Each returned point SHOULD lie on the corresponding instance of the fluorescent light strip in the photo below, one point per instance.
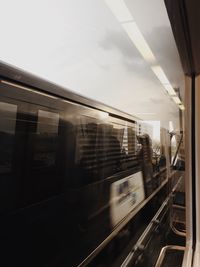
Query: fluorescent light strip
(123, 15)
(177, 100)
(169, 89)
(119, 9)
(158, 71)
(182, 107)
(138, 40)
(160, 74)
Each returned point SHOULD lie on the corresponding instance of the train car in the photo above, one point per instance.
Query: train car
(72, 170)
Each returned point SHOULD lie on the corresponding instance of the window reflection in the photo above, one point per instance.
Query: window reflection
(7, 132)
(46, 139)
(104, 149)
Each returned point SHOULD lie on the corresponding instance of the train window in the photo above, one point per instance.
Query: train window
(46, 139)
(47, 122)
(43, 178)
(86, 149)
(126, 136)
(29, 159)
(7, 138)
(7, 130)
(104, 148)
(111, 146)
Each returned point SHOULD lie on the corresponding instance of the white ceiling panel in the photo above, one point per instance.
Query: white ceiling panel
(83, 46)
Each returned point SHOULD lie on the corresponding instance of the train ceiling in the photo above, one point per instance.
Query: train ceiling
(83, 46)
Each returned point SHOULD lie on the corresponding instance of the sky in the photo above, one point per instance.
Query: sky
(82, 46)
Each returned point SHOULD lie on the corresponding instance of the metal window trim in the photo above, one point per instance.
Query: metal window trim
(188, 255)
(196, 261)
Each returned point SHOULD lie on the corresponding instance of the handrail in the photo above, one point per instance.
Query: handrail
(120, 226)
(173, 228)
(154, 220)
(163, 253)
(144, 235)
(178, 207)
(177, 232)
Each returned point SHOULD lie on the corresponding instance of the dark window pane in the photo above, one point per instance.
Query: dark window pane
(7, 133)
(104, 148)
(43, 175)
(7, 138)
(47, 122)
(45, 139)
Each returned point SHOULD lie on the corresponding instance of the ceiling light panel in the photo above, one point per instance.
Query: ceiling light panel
(182, 107)
(119, 9)
(170, 89)
(138, 40)
(160, 74)
(123, 15)
(158, 71)
(177, 100)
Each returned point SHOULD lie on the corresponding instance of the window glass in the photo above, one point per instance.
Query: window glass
(43, 145)
(104, 148)
(46, 139)
(7, 141)
(47, 122)
(7, 131)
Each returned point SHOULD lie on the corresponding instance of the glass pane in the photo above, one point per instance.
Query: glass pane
(7, 131)
(8, 184)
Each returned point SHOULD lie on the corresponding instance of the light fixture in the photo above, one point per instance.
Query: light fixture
(119, 9)
(158, 71)
(177, 100)
(169, 89)
(138, 40)
(160, 74)
(124, 16)
(182, 107)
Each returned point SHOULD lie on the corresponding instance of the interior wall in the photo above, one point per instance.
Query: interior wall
(197, 169)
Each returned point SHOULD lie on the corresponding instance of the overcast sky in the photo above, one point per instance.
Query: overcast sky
(80, 44)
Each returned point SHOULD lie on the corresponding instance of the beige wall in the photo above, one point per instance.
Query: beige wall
(188, 176)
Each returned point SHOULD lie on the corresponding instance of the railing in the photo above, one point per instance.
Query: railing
(152, 226)
(120, 226)
(164, 251)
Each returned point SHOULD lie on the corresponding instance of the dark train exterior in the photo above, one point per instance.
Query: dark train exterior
(70, 172)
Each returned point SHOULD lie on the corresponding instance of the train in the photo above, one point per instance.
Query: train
(71, 171)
